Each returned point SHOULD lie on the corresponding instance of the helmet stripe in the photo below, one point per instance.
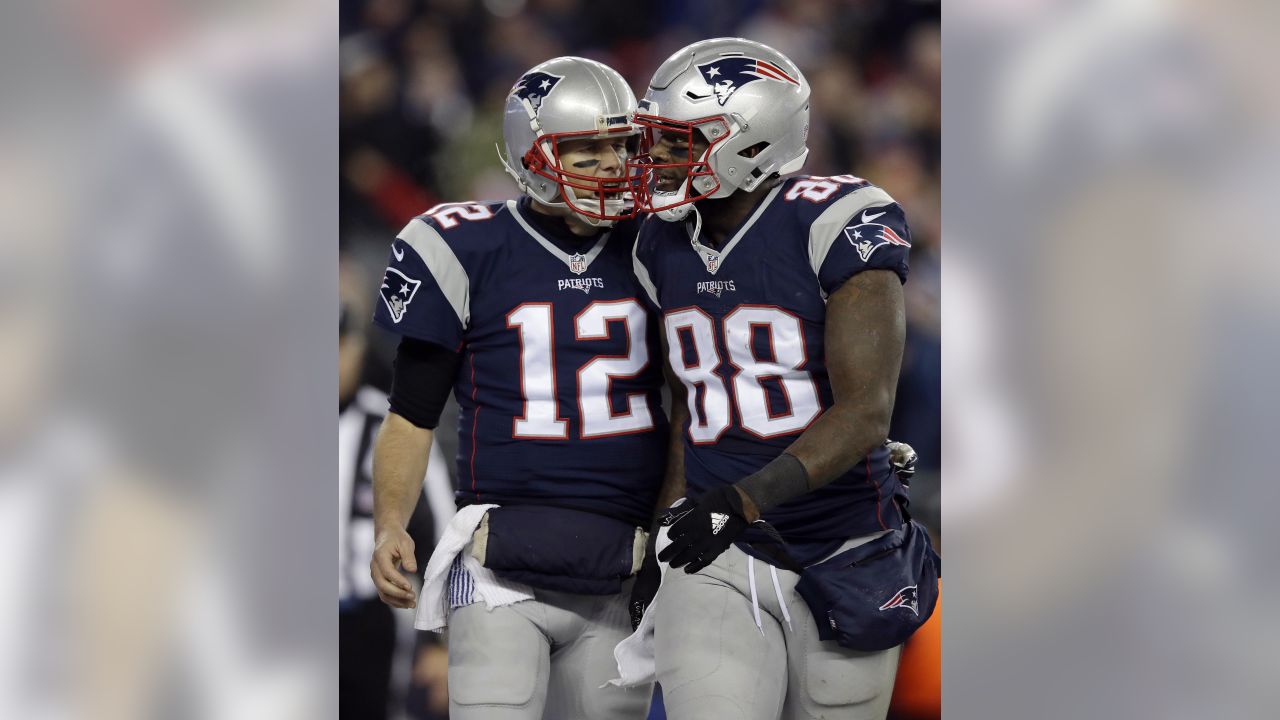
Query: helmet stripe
(774, 71)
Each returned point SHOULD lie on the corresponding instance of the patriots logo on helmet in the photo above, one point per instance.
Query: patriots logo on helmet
(904, 598)
(535, 86)
(869, 237)
(728, 74)
(397, 292)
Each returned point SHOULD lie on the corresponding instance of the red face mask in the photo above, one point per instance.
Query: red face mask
(602, 198)
(669, 179)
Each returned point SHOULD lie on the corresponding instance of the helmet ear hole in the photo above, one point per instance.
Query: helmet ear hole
(754, 150)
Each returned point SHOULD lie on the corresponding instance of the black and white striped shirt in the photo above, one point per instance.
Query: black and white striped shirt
(358, 425)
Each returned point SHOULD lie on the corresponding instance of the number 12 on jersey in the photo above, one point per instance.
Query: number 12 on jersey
(693, 332)
(541, 418)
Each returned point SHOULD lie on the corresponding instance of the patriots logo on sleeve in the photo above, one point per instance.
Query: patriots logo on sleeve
(869, 237)
(397, 292)
(904, 598)
(728, 74)
(535, 86)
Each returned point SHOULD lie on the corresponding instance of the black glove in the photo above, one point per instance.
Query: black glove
(701, 530)
(903, 458)
(646, 583)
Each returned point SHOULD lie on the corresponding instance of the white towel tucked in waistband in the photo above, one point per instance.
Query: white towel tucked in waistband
(635, 654)
(433, 604)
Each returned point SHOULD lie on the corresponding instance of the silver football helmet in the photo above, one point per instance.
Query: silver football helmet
(749, 102)
(565, 98)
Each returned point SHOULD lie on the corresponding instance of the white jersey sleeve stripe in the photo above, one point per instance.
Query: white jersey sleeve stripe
(448, 272)
(827, 228)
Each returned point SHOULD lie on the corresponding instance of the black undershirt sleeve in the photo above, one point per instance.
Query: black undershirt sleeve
(422, 376)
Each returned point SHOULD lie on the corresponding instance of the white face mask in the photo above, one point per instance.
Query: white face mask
(548, 191)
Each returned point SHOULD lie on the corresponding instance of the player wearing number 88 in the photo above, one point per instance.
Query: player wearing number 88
(782, 308)
(529, 312)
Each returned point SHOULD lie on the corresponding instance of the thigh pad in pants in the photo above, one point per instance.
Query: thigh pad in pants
(496, 657)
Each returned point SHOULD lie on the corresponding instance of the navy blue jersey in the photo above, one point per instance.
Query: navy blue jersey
(744, 326)
(558, 388)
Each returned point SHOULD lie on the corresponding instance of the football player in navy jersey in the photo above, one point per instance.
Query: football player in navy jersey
(529, 312)
(782, 307)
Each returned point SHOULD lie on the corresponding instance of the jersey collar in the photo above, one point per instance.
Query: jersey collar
(577, 262)
(713, 259)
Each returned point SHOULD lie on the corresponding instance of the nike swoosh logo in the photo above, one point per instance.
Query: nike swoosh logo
(398, 253)
(868, 218)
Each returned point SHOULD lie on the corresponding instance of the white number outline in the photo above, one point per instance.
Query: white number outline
(637, 402)
(745, 383)
(675, 353)
(560, 423)
(818, 189)
(444, 213)
(738, 377)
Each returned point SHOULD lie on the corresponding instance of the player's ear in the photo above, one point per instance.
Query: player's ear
(754, 150)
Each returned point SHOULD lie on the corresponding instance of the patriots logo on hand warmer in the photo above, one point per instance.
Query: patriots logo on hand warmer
(728, 74)
(535, 86)
(905, 598)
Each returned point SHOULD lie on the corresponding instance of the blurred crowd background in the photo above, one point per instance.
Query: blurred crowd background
(168, 242)
(422, 88)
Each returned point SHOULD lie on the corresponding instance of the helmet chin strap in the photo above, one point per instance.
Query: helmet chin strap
(611, 207)
(697, 226)
(506, 165)
(592, 221)
(574, 208)
(673, 211)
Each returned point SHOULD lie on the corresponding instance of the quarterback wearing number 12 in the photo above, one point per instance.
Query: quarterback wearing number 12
(782, 308)
(529, 312)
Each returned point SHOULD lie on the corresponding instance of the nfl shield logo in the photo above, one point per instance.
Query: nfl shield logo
(577, 264)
